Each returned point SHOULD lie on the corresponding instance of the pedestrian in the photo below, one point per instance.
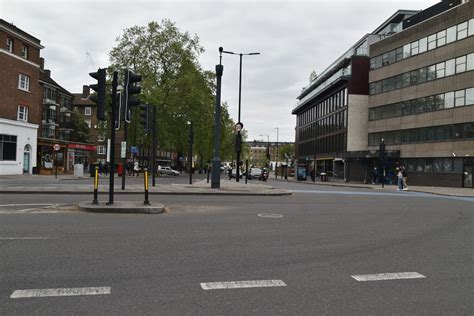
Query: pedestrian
(230, 173)
(313, 175)
(100, 168)
(399, 179)
(106, 169)
(405, 178)
(136, 168)
(375, 176)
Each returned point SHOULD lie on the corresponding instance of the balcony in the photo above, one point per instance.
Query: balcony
(50, 102)
(50, 122)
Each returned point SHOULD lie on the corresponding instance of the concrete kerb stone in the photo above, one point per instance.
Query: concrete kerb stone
(124, 207)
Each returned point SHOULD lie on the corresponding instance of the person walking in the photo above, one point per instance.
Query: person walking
(106, 169)
(405, 178)
(136, 168)
(399, 179)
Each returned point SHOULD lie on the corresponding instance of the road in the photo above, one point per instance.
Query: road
(309, 253)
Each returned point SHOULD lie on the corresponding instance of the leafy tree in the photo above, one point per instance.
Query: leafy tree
(288, 149)
(173, 82)
(81, 131)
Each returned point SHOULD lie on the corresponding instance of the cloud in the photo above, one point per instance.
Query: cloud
(293, 37)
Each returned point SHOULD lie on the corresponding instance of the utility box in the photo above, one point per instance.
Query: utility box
(79, 170)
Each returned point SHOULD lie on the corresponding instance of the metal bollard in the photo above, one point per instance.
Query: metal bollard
(208, 171)
(96, 185)
(246, 170)
(146, 202)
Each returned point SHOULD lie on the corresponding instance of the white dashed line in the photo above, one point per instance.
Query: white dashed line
(60, 292)
(241, 284)
(270, 215)
(388, 276)
(24, 238)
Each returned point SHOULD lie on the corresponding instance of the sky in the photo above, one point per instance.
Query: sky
(293, 37)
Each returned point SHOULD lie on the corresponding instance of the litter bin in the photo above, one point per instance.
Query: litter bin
(324, 177)
(119, 169)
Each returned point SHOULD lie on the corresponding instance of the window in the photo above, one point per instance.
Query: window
(470, 61)
(24, 51)
(462, 30)
(450, 67)
(9, 46)
(385, 59)
(469, 96)
(88, 111)
(24, 82)
(449, 100)
(447, 165)
(459, 98)
(471, 27)
(22, 113)
(431, 73)
(406, 51)
(88, 122)
(451, 34)
(101, 150)
(440, 70)
(414, 48)
(441, 38)
(432, 42)
(461, 64)
(423, 45)
(7, 147)
(399, 53)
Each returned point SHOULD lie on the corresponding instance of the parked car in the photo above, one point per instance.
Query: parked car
(234, 173)
(255, 173)
(167, 171)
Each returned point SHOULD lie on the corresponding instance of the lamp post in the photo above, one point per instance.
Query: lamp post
(238, 136)
(382, 159)
(276, 157)
(190, 156)
(216, 160)
(268, 146)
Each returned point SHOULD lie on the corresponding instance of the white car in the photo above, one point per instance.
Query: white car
(167, 171)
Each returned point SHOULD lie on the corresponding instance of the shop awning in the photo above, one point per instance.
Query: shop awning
(82, 146)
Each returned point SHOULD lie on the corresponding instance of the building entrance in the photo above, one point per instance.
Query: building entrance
(26, 159)
(468, 173)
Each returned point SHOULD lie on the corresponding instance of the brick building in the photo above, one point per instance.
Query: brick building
(20, 114)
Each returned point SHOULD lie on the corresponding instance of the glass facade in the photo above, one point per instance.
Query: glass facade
(440, 133)
(322, 127)
(441, 38)
(443, 69)
(7, 147)
(421, 105)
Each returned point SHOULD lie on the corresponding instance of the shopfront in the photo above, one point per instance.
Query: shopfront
(79, 154)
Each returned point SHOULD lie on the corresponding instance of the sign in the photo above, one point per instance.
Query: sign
(239, 126)
(123, 149)
(134, 150)
(81, 146)
(56, 147)
(108, 150)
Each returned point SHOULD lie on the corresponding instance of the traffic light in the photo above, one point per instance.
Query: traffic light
(131, 89)
(144, 108)
(99, 88)
(238, 142)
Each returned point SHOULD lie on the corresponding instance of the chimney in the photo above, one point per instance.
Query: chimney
(85, 92)
(41, 63)
(47, 72)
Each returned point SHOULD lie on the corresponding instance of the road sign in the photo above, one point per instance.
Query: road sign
(56, 147)
(123, 149)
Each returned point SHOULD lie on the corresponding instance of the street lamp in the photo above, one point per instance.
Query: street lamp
(276, 157)
(238, 137)
(268, 146)
(190, 156)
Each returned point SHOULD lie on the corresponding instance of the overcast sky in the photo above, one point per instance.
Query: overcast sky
(293, 37)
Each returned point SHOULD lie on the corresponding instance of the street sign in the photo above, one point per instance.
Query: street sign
(56, 147)
(108, 150)
(239, 126)
(123, 149)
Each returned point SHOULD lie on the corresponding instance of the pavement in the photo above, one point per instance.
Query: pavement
(63, 185)
(447, 191)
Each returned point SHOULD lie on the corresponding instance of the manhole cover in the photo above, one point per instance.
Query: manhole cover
(270, 215)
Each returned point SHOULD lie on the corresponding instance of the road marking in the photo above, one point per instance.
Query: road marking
(29, 204)
(388, 276)
(24, 238)
(270, 215)
(60, 292)
(241, 284)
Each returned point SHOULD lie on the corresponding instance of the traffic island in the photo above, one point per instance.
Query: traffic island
(124, 207)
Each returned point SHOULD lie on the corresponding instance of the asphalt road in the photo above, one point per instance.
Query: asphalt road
(311, 245)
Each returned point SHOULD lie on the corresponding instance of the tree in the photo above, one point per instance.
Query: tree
(173, 81)
(81, 131)
(288, 149)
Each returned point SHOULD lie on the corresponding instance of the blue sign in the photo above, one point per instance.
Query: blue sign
(134, 150)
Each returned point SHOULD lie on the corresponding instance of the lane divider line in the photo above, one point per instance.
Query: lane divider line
(60, 292)
(24, 238)
(388, 276)
(241, 284)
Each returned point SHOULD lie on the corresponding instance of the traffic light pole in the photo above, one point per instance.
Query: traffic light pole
(112, 136)
(216, 161)
(153, 135)
(124, 159)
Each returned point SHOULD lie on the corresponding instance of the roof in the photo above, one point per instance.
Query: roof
(79, 100)
(20, 33)
(43, 76)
